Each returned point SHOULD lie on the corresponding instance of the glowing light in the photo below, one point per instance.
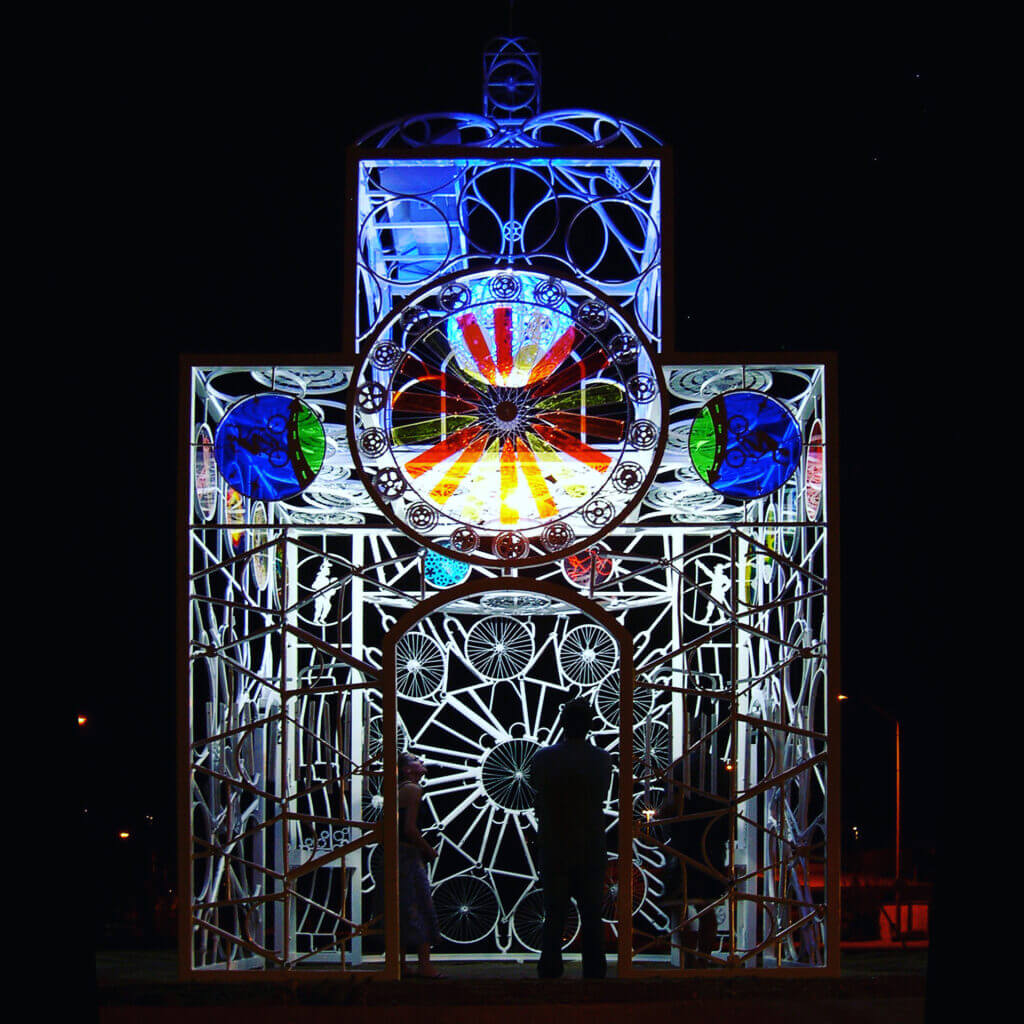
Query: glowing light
(530, 340)
(234, 513)
(745, 444)
(505, 411)
(123, 835)
(814, 471)
(205, 473)
(270, 446)
(577, 568)
(82, 719)
(443, 572)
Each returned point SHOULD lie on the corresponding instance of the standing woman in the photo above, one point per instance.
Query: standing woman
(418, 921)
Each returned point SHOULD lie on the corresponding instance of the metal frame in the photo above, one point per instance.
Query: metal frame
(571, 177)
(313, 643)
(653, 578)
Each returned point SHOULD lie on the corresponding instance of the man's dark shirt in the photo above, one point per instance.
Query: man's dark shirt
(571, 780)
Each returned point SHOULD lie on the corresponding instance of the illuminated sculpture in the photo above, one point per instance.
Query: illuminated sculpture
(506, 495)
(514, 415)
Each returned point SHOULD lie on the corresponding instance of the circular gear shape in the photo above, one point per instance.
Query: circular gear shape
(511, 546)
(499, 647)
(373, 442)
(557, 536)
(528, 921)
(423, 516)
(389, 483)
(588, 654)
(524, 403)
(419, 666)
(505, 774)
(464, 540)
(466, 908)
(643, 434)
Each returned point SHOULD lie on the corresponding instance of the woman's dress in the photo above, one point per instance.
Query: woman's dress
(418, 920)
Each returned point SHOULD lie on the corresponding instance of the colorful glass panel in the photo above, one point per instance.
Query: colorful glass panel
(261, 558)
(814, 473)
(507, 403)
(745, 444)
(204, 473)
(270, 446)
(578, 568)
(443, 572)
(234, 515)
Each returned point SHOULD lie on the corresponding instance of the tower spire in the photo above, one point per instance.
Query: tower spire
(511, 78)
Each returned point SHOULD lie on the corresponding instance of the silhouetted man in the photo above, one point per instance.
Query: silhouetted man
(571, 779)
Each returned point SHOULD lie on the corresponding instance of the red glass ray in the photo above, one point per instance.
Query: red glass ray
(419, 464)
(573, 374)
(553, 358)
(509, 479)
(503, 338)
(596, 426)
(465, 462)
(429, 375)
(473, 335)
(415, 401)
(546, 506)
(579, 450)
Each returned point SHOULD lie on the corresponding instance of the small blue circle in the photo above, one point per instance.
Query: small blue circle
(444, 572)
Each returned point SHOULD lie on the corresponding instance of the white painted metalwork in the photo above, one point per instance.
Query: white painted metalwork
(289, 606)
(393, 598)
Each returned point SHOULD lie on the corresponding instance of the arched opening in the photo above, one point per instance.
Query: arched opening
(473, 680)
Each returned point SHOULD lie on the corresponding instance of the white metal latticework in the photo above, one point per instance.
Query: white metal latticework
(291, 604)
(503, 497)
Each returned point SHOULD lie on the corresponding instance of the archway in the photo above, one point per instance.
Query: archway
(473, 680)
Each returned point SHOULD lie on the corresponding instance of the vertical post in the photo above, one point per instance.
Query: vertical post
(733, 732)
(357, 741)
(185, 541)
(833, 896)
(285, 907)
(389, 813)
(625, 901)
(680, 739)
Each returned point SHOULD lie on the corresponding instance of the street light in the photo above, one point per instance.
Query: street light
(899, 817)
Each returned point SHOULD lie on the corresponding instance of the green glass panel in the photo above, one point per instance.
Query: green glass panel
(540, 446)
(311, 438)
(595, 395)
(428, 430)
(703, 443)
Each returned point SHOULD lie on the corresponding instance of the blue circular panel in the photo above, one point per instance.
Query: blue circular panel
(443, 572)
(270, 446)
(745, 444)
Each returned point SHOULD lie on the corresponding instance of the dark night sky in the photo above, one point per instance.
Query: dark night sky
(198, 170)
